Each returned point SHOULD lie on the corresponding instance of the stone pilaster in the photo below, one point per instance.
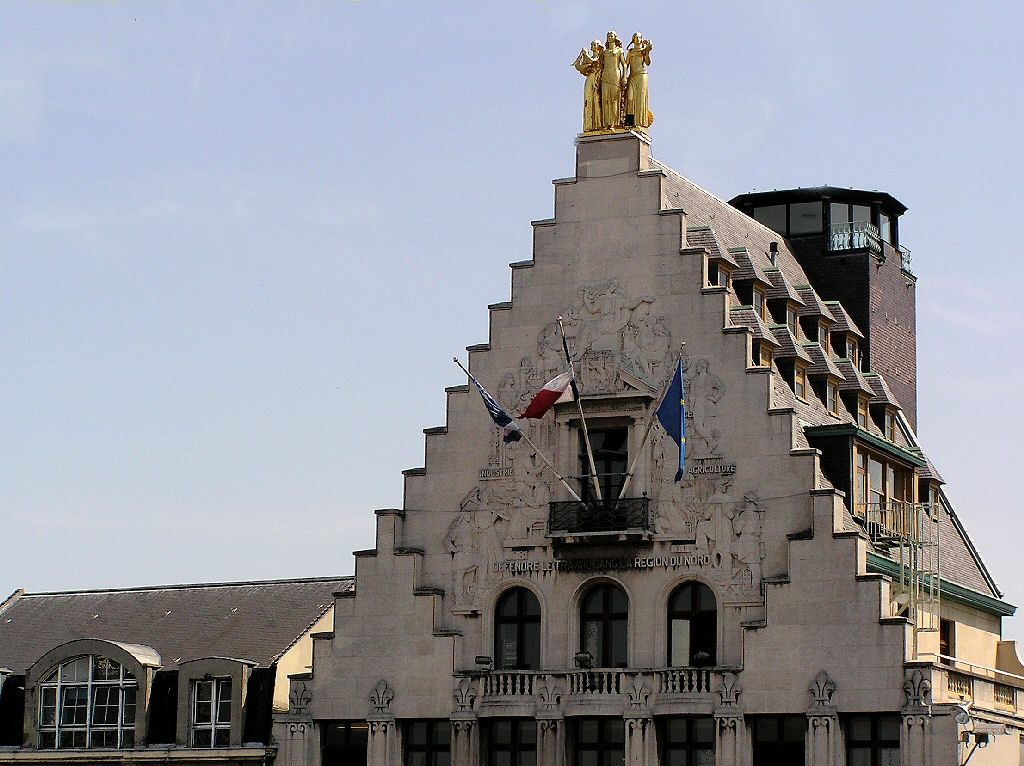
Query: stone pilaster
(465, 741)
(551, 741)
(550, 724)
(641, 747)
(298, 741)
(824, 740)
(382, 748)
(730, 739)
(915, 734)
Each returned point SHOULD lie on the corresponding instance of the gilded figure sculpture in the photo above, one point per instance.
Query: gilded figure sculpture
(615, 93)
(613, 72)
(638, 58)
(589, 65)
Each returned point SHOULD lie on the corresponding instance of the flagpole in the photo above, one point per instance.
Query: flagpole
(650, 421)
(529, 441)
(579, 407)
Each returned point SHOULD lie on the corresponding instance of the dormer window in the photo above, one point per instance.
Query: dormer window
(832, 396)
(758, 301)
(890, 424)
(718, 275)
(88, 701)
(862, 411)
(852, 352)
(760, 354)
(823, 336)
(791, 318)
(211, 712)
(800, 380)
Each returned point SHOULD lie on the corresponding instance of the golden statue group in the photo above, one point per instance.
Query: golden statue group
(615, 93)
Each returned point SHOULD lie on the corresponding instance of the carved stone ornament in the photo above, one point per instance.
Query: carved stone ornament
(729, 690)
(638, 693)
(299, 697)
(728, 724)
(297, 730)
(822, 689)
(464, 696)
(549, 695)
(381, 697)
(918, 689)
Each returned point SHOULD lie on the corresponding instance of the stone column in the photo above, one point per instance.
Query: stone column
(729, 740)
(824, 741)
(298, 741)
(382, 745)
(465, 741)
(551, 741)
(641, 749)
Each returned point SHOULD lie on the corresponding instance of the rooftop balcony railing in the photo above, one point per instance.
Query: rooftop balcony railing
(854, 235)
(986, 687)
(626, 515)
(905, 259)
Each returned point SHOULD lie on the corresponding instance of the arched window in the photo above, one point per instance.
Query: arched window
(517, 631)
(692, 626)
(87, 701)
(604, 613)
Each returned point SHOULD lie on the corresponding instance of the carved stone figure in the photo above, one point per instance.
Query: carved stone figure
(613, 70)
(589, 65)
(638, 58)
(703, 392)
(749, 550)
(460, 541)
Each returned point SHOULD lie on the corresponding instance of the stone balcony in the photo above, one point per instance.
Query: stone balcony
(985, 687)
(601, 691)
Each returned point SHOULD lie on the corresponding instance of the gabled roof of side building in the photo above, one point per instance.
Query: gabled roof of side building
(257, 621)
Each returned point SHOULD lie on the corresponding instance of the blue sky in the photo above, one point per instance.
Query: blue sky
(238, 237)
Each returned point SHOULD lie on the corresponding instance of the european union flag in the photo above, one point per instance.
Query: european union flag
(672, 414)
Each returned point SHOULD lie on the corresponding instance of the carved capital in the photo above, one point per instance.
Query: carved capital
(379, 728)
(548, 726)
(728, 724)
(638, 693)
(462, 726)
(915, 721)
(297, 729)
(299, 697)
(464, 696)
(822, 689)
(381, 697)
(918, 689)
(729, 690)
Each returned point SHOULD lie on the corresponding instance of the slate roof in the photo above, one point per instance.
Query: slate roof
(256, 621)
(843, 321)
(788, 346)
(744, 316)
(813, 304)
(704, 236)
(822, 363)
(781, 288)
(880, 389)
(853, 379)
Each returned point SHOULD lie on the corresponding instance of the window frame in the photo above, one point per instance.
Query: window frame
(832, 396)
(520, 620)
(875, 745)
(800, 380)
(54, 690)
(517, 745)
(759, 301)
(216, 725)
(689, 745)
(702, 624)
(606, 619)
(778, 749)
(432, 746)
(607, 749)
(611, 481)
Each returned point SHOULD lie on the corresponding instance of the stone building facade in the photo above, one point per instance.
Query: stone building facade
(805, 593)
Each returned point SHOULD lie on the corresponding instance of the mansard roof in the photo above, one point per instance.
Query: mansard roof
(257, 621)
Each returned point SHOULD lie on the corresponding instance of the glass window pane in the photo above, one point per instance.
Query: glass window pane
(224, 701)
(502, 732)
(442, 732)
(805, 217)
(128, 738)
(889, 756)
(508, 605)
(531, 604)
(680, 643)
(75, 670)
(772, 216)
(418, 733)
(417, 759)
(128, 706)
(704, 758)
(222, 737)
(442, 759)
(889, 729)
(706, 598)
(614, 730)
(104, 669)
(587, 731)
(528, 758)
(202, 738)
(527, 732)
(766, 729)
(860, 728)
(794, 728)
(619, 647)
(860, 756)
(501, 758)
(508, 656)
(704, 729)
(531, 648)
(617, 601)
(862, 213)
(675, 728)
(840, 212)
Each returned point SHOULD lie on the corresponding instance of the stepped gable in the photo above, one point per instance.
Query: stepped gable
(255, 621)
(733, 228)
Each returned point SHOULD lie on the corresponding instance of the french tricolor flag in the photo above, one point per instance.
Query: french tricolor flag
(559, 389)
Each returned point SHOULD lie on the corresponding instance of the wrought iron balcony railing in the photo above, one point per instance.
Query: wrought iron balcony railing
(631, 514)
(854, 235)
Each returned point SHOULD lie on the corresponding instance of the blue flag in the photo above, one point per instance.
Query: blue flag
(501, 418)
(672, 414)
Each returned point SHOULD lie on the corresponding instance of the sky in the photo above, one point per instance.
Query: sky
(240, 242)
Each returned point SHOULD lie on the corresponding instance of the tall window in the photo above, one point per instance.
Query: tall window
(513, 742)
(610, 460)
(692, 626)
(517, 631)
(880, 483)
(687, 741)
(88, 701)
(800, 380)
(604, 614)
(428, 743)
(343, 742)
(600, 742)
(779, 739)
(947, 639)
(832, 396)
(758, 298)
(211, 712)
(873, 740)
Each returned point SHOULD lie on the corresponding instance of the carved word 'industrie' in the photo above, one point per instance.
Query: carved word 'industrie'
(608, 564)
